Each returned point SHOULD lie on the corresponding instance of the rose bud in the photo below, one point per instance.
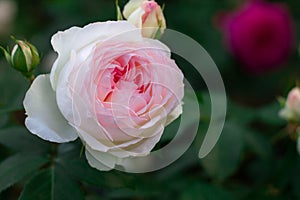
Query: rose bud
(147, 15)
(260, 35)
(291, 111)
(24, 57)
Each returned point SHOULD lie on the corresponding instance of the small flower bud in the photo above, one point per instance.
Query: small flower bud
(291, 111)
(147, 15)
(24, 57)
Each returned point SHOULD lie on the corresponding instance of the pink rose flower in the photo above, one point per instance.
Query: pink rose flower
(111, 87)
(146, 15)
(259, 34)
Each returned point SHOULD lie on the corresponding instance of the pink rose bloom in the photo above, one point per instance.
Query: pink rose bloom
(111, 87)
(259, 34)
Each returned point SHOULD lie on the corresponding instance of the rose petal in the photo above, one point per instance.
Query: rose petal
(141, 148)
(131, 6)
(159, 47)
(44, 118)
(174, 114)
(64, 42)
(96, 163)
(100, 160)
(136, 17)
(63, 96)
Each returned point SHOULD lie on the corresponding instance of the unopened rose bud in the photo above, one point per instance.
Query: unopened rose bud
(147, 15)
(24, 57)
(291, 111)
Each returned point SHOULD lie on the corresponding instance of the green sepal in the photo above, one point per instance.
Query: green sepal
(158, 33)
(6, 54)
(281, 101)
(119, 13)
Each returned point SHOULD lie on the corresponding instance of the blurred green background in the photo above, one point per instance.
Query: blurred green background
(255, 158)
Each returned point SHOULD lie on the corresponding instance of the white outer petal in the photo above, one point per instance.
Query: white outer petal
(105, 161)
(63, 96)
(96, 163)
(142, 148)
(159, 46)
(100, 160)
(174, 114)
(44, 118)
(77, 38)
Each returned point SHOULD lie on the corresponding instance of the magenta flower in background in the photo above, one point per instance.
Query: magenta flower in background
(259, 34)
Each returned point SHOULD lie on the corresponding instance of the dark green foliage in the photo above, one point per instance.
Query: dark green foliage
(17, 167)
(255, 157)
(51, 184)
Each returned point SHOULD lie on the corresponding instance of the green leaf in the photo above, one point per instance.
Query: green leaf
(3, 119)
(13, 87)
(225, 157)
(77, 167)
(259, 144)
(237, 112)
(80, 170)
(204, 191)
(17, 167)
(269, 114)
(296, 180)
(51, 184)
(20, 139)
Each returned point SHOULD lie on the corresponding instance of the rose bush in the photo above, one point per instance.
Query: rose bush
(111, 87)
